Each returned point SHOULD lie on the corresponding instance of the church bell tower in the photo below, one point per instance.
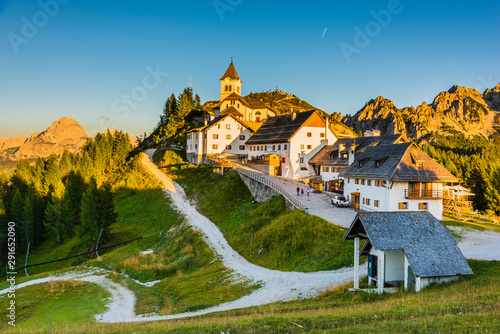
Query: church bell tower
(230, 82)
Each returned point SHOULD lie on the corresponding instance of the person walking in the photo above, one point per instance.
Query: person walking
(298, 191)
(302, 190)
(308, 191)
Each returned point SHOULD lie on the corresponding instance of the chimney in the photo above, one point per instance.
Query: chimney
(206, 121)
(294, 115)
(372, 133)
(351, 155)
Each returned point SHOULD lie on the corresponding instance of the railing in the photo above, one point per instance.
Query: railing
(427, 194)
(260, 178)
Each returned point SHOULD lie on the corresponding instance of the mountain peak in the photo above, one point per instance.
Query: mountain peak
(459, 109)
(63, 134)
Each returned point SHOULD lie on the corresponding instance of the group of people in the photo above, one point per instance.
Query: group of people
(300, 192)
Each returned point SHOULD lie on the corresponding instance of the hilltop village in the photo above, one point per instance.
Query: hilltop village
(373, 172)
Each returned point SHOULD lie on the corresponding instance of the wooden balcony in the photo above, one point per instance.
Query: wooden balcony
(428, 194)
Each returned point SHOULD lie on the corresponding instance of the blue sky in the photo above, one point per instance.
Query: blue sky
(83, 58)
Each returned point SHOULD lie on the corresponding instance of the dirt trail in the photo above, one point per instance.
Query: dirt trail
(276, 285)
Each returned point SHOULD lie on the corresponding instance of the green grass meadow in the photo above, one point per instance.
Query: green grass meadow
(193, 278)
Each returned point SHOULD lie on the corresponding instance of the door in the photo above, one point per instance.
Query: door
(355, 201)
(411, 279)
(372, 266)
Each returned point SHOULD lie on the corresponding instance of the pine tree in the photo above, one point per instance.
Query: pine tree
(97, 212)
(16, 207)
(27, 223)
(197, 102)
(53, 220)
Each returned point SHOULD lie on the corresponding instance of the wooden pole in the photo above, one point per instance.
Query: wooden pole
(356, 263)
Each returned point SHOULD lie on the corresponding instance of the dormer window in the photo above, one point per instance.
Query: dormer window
(379, 162)
(363, 162)
(420, 163)
(341, 147)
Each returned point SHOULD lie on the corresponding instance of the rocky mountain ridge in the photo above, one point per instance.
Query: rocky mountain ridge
(460, 109)
(63, 134)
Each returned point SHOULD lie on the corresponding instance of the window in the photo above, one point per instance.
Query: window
(262, 148)
(423, 206)
(230, 88)
(215, 146)
(238, 90)
(376, 203)
(228, 147)
(362, 182)
(188, 137)
(242, 147)
(363, 200)
(238, 103)
(377, 183)
(228, 137)
(326, 169)
(218, 126)
(356, 181)
(257, 116)
(274, 147)
(301, 160)
(227, 105)
(382, 183)
(403, 205)
(379, 162)
(339, 169)
(195, 146)
(215, 136)
(227, 88)
(196, 136)
(309, 147)
(285, 146)
(367, 201)
(322, 135)
(420, 163)
(251, 148)
(233, 103)
(228, 126)
(258, 148)
(309, 134)
(301, 146)
(279, 147)
(242, 137)
(369, 182)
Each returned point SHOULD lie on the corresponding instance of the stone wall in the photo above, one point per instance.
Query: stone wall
(261, 192)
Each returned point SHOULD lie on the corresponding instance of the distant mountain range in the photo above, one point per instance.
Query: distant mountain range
(458, 110)
(63, 134)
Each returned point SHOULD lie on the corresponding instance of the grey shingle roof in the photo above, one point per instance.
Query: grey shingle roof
(279, 129)
(324, 156)
(428, 245)
(397, 162)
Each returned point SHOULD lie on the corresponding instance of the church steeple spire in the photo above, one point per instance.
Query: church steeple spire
(230, 82)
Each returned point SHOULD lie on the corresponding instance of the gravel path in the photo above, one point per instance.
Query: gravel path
(479, 245)
(276, 285)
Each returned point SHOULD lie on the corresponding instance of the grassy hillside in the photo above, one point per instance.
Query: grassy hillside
(266, 234)
(191, 278)
(470, 305)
